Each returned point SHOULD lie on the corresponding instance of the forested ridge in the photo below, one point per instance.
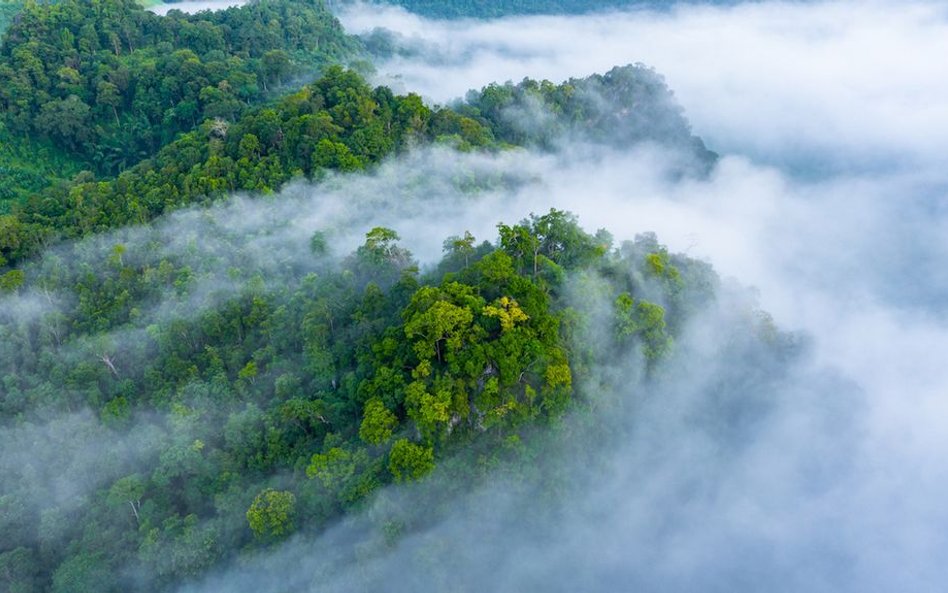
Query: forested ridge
(198, 387)
(340, 123)
(221, 407)
(108, 83)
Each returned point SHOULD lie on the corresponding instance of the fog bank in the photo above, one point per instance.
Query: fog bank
(735, 472)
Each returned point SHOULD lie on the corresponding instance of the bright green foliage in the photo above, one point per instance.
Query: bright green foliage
(249, 372)
(409, 462)
(507, 311)
(377, 423)
(335, 155)
(272, 513)
(332, 468)
(441, 326)
(11, 281)
(659, 265)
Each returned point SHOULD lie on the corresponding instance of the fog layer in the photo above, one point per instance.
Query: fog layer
(732, 473)
(831, 199)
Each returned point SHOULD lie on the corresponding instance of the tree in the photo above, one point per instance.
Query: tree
(333, 468)
(276, 64)
(645, 320)
(334, 155)
(66, 120)
(19, 571)
(108, 94)
(83, 573)
(272, 513)
(377, 422)
(442, 322)
(507, 311)
(461, 247)
(410, 462)
(12, 281)
(128, 490)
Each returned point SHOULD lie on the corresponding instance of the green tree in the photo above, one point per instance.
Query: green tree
(272, 514)
(83, 573)
(20, 571)
(410, 462)
(377, 422)
(12, 281)
(128, 491)
(645, 320)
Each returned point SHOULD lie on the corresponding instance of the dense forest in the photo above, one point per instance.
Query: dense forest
(100, 86)
(197, 391)
(340, 123)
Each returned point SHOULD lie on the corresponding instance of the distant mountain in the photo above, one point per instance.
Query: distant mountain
(451, 9)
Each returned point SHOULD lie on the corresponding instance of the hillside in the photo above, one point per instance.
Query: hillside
(340, 123)
(109, 83)
(219, 399)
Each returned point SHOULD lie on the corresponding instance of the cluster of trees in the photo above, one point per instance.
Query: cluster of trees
(335, 123)
(99, 86)
(281, 399)
(627, 105)
(111, 82)
(28, 166)
(340, 123)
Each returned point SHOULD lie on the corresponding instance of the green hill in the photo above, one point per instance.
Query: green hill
(111, 82)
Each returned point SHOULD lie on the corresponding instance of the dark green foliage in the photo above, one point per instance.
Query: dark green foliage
(111, 82)
(29, 165)
(336, 123)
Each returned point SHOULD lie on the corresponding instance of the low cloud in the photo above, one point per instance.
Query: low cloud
(826, 473)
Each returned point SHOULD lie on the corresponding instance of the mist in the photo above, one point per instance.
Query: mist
(830, 199)
(731, 472)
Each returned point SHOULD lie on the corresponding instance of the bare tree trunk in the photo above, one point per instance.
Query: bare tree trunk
(107, 360)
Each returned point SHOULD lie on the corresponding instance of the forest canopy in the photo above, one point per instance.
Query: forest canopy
(104, 84)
